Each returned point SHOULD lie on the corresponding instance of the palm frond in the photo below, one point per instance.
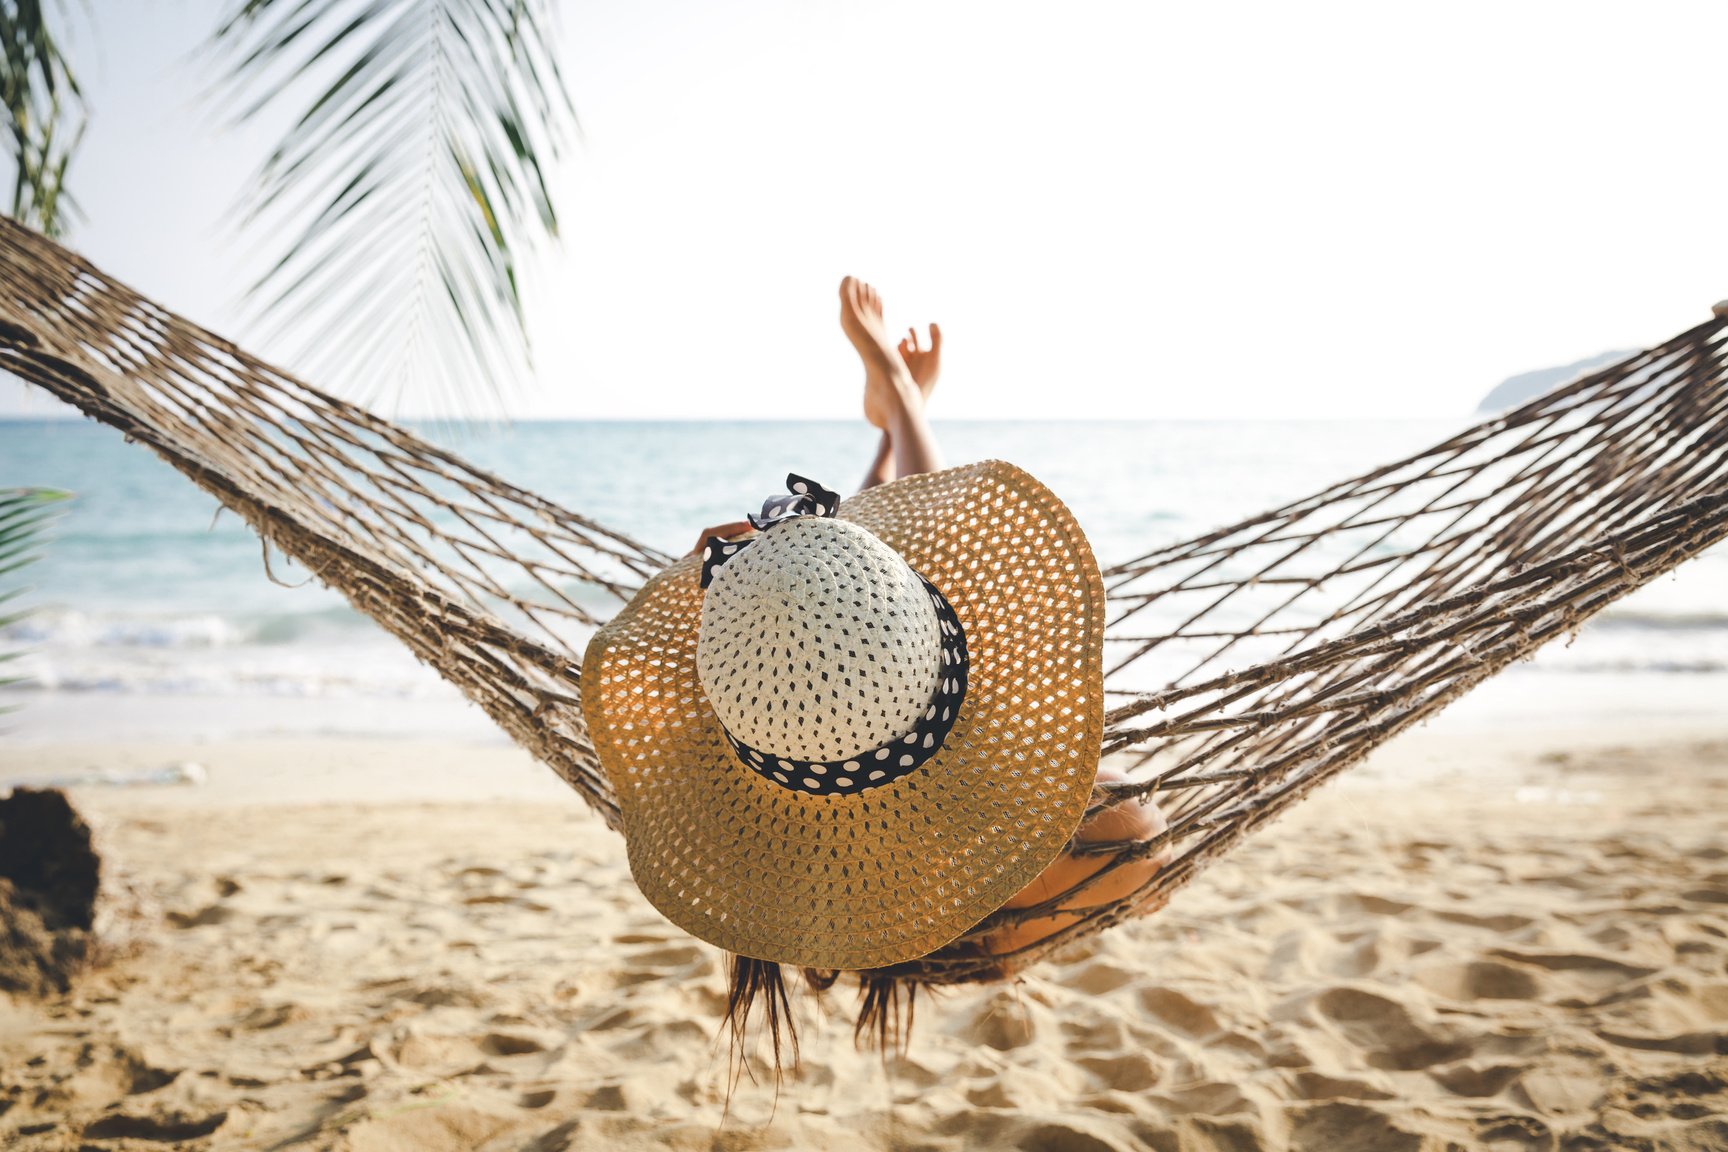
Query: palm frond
(45, 115)
(411, 184)
(24, 513)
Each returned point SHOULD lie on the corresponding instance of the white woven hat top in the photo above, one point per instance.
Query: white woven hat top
(818, 642)
(832, 665)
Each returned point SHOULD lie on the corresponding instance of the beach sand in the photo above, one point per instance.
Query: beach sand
(1476, 941)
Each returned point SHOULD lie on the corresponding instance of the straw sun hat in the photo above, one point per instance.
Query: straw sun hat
(845, 740)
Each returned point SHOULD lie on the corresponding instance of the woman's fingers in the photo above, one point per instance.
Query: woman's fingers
(724, 531)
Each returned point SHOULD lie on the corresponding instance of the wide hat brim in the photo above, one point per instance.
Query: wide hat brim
(895, 872)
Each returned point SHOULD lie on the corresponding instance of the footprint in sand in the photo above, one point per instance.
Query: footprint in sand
(439, 1055)
(202, 917)
(643, 938)
(445, 996)
(1578, 975)
(1095, 1033)
(102, 1075)
(1320, 1086)
(1708, 1043)
(1213, 1134)
(1383, 1029)
(991, 1094)
(1474, 1079)
(610, 1018)
(485, 898)
(517, 1042)
(477, 874)
(669, 956)
(1356, 957)
(1100, 976)
(1513, 1133)
(1198, 1096)
(536, 1099)
(449, 1125)
(158, 1125)
(1349, 1127)
(1501, 922)
(1072, 1135)
(1366, 903)
(1125, 1072)
(661, 961)
(1004, 1021)
(1178, 1013)
(1481, 980)
(267, 1016)
(1683, 1109)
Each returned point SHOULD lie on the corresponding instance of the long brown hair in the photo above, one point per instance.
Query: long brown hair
(886, 1005)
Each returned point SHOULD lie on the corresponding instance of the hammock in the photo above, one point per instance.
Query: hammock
(1245, 667)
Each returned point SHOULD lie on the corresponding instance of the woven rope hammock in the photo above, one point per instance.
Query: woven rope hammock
(1246, 666)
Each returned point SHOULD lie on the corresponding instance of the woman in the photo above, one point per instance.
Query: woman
(843, 734)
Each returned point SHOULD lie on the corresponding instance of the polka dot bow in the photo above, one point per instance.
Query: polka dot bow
(804, 498)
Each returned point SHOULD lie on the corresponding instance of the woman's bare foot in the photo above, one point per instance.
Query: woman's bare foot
(888, 382)
(923, 362)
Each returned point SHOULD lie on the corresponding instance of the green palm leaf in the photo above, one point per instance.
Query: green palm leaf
(412, 182)
(45, 115)
(23, 514)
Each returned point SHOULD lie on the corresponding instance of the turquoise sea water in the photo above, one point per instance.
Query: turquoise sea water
(150, 607)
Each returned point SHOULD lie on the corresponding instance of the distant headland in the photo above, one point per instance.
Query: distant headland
(1515, 390)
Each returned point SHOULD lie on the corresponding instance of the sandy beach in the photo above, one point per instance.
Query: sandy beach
(1478, 940)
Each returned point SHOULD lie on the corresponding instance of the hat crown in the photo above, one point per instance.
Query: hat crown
(818, 642)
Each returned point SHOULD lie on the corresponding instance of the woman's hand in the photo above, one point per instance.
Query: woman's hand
(724, 531)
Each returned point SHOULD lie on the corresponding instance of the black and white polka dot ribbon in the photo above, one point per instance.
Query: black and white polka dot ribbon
(804, 498)
(897, 758)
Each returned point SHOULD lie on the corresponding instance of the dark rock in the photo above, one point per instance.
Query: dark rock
(48, 880)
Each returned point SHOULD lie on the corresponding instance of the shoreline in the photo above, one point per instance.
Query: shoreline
(1544, 697)
(276, 770)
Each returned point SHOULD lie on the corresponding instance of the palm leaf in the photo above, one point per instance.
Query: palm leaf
(24, 512)
(411, 183)
(45, 115)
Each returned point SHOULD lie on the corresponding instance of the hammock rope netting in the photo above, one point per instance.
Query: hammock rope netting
(1245, 667)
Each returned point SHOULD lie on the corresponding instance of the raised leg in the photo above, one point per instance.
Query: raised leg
(897, 381)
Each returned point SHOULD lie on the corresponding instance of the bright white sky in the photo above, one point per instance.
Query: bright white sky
(1138, 210)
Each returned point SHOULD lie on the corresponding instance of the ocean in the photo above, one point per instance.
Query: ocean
(152, 615)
